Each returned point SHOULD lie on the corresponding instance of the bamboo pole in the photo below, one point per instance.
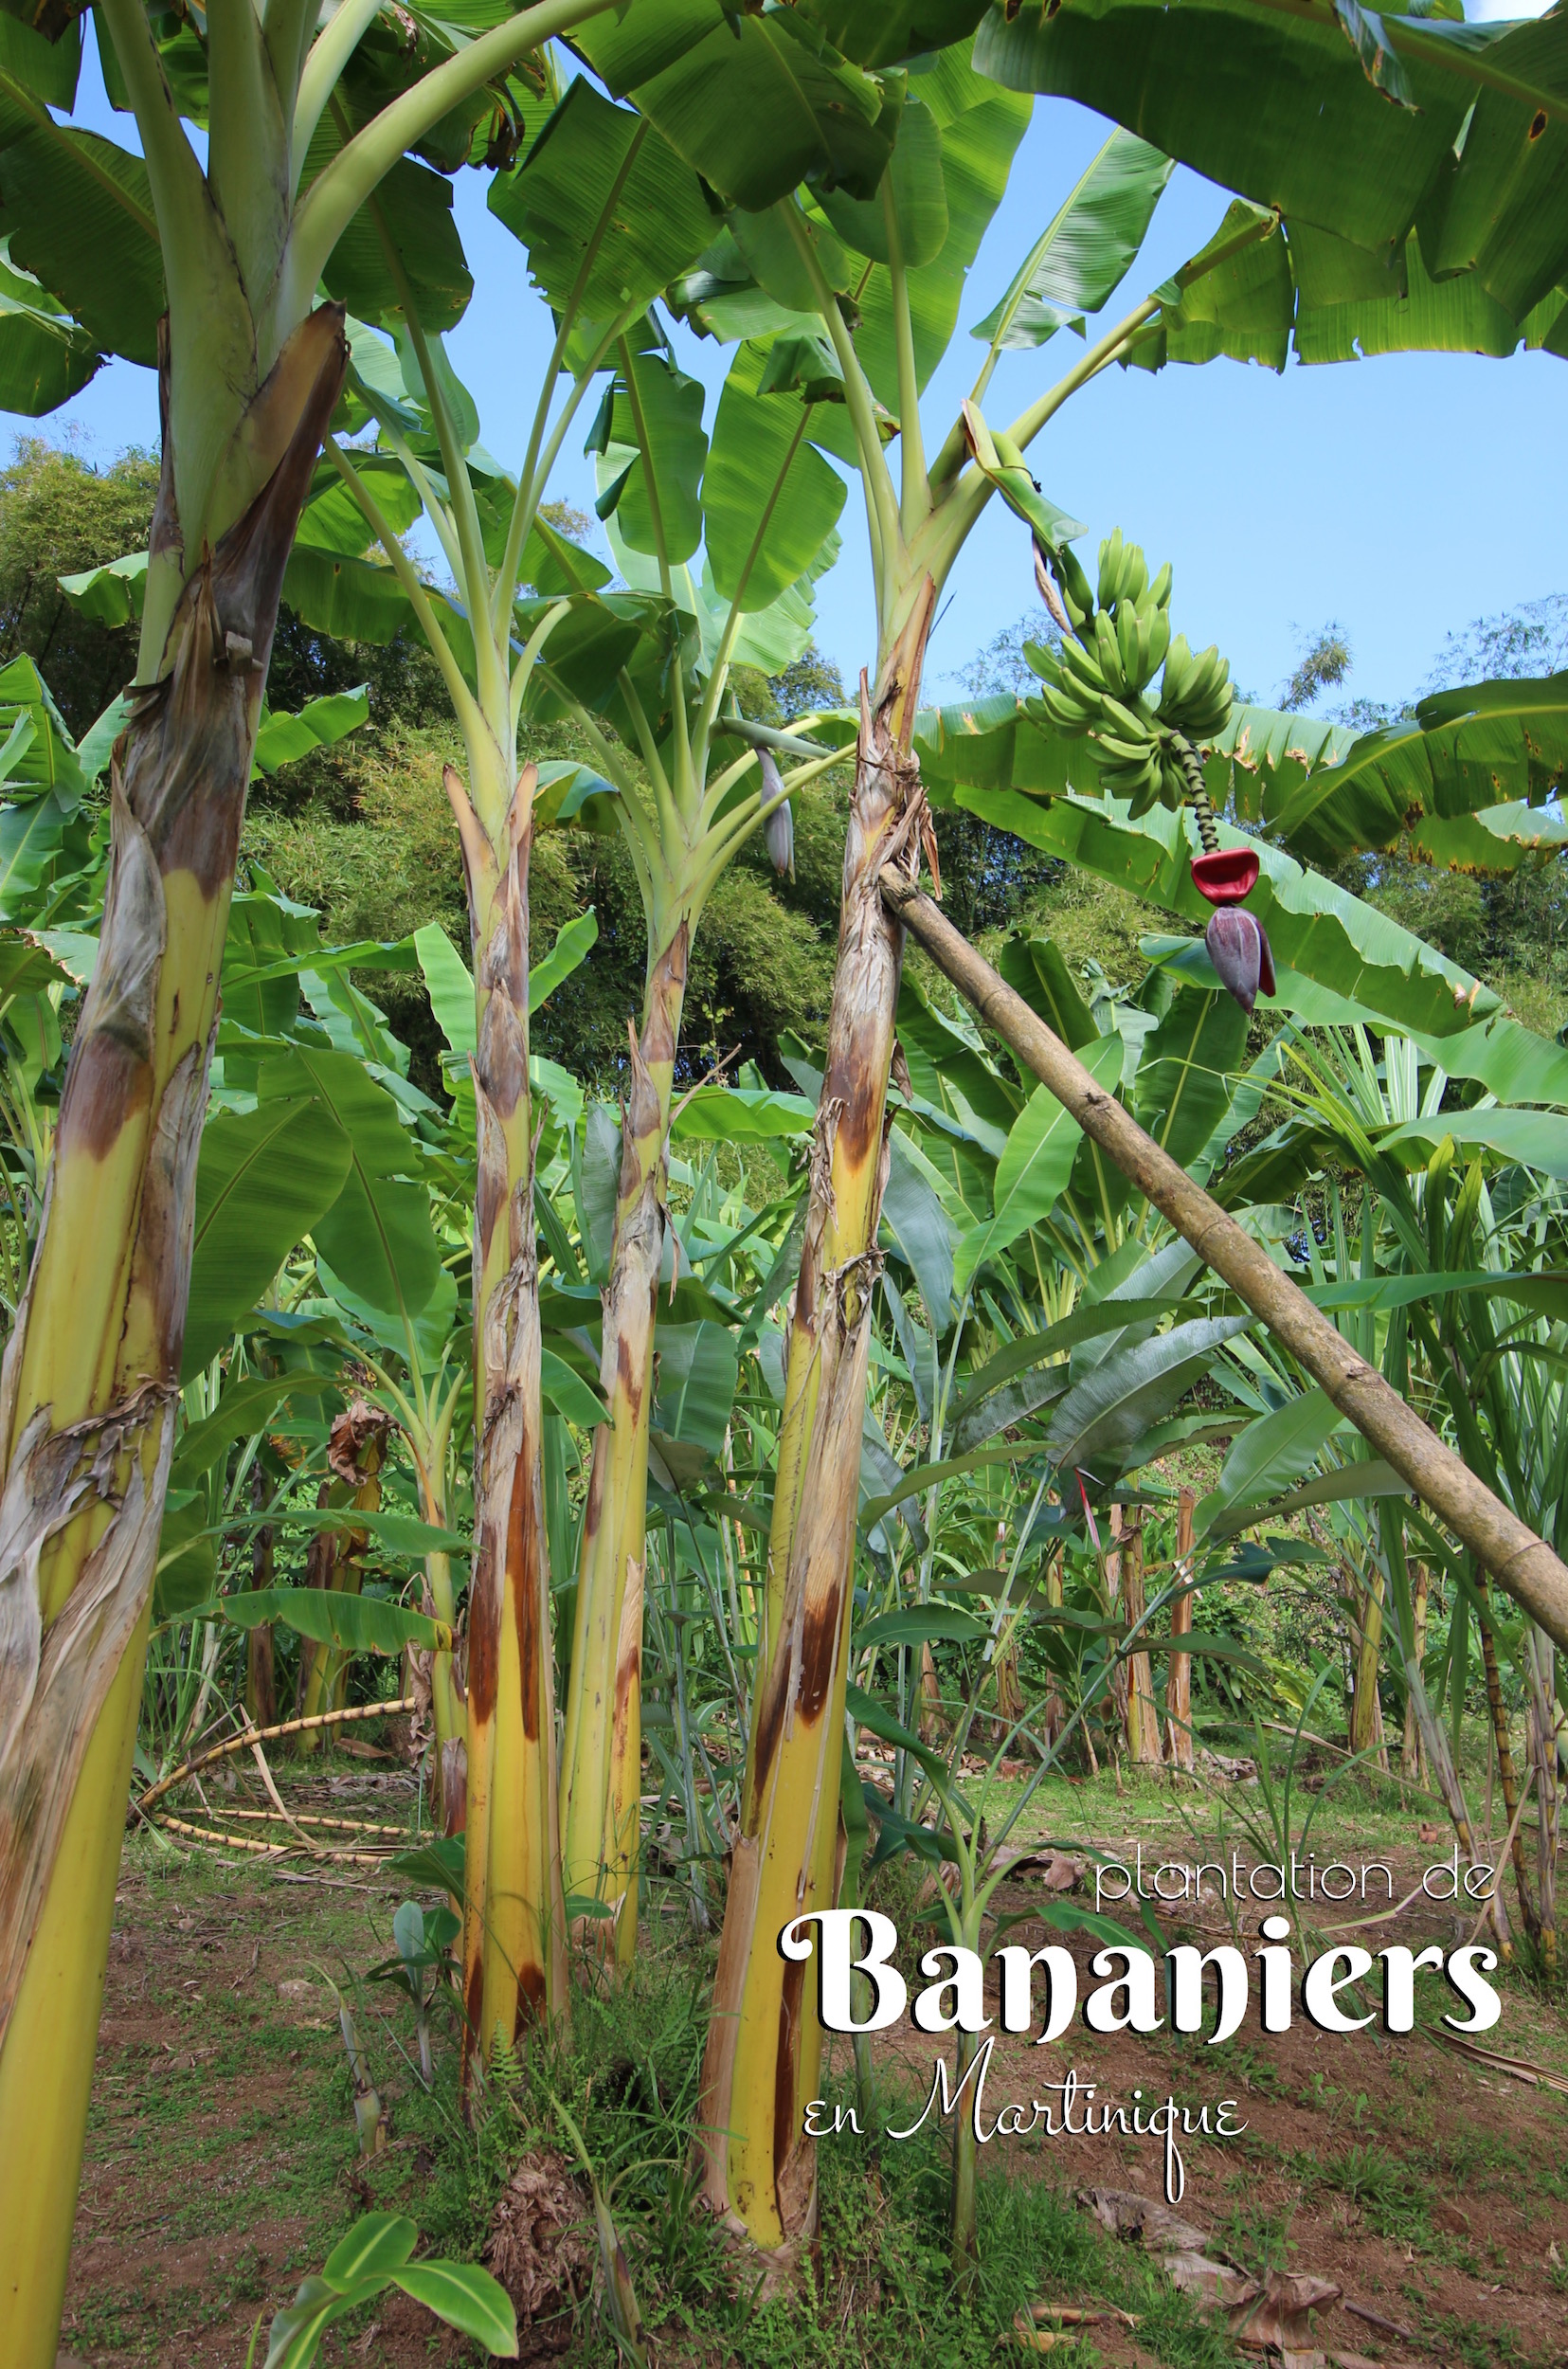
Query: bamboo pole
(1522, 1562)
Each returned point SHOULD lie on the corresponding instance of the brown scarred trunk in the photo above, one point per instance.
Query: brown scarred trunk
(764, 2051)
(356, 1450)
(92, 1370)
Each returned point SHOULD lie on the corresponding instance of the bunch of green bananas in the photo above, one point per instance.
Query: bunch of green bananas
(1118, 638)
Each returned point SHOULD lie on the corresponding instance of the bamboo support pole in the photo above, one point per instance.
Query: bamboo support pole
(265, 1735)
(1521, 1561)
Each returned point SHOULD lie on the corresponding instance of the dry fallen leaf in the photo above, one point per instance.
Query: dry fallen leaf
(1279, 2317)
(1143, 2219)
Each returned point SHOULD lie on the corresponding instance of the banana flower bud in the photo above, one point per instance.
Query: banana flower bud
(1239, 950)
(779, 829)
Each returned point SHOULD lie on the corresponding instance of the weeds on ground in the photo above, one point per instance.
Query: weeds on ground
(883, 2286)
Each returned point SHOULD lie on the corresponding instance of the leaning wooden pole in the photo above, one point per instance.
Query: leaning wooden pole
(1501, 1543)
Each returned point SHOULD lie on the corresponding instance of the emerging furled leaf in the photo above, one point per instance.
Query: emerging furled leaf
(1080, 260)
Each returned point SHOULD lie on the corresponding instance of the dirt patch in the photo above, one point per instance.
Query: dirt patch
(222, 2160)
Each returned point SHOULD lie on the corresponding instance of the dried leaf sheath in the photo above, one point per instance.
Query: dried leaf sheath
(602, 1755)
(764, 2045)
(513, 1936)
(92, 1367)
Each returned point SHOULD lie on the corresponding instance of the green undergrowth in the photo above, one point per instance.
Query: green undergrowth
(883, 2284)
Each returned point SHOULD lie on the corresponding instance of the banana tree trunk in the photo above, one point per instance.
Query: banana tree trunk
(1364, 1724)
(92, 1373)
(764, 2053)
(261, 1670)
(514, 1967)
(602, 1756)
(356, 1451)
(1142, 1725)
(1545, 1722)
(1503, 1745)
(320, 1572)
(1413, 1764)
(449, 1774)
(1179, 1743)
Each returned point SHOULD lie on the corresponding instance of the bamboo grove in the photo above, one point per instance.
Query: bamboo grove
(740, 1393)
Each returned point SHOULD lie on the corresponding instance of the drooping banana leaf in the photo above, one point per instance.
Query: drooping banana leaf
(1337, 117)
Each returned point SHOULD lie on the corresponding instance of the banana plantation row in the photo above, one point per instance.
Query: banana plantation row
(839, 1410)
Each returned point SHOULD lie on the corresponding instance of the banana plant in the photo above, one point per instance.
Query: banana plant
(609, 212)
(204, 256)
(878, 284)
(728, 532)
(490, 531)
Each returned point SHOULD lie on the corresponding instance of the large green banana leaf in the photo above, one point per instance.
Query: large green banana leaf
(414, 205)
(1272, 1452)
(755, 104)
(1477, 749)
(1292, 108)
(914, 189)
(1103, 1417)
(1033, 1170)
(1185, 1083)
(980, 127)
(769, 500)
(882, 33)
(606, 208)
(962, 133)
(355, 1624)
(46, 357)
(376, 1236)
(264, 1177)
(651, 426)
(1305, 292)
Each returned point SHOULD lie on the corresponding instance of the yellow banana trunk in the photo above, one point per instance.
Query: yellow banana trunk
(515, 1969)
(92, 1373)
(764, 2053)
(601, 1757)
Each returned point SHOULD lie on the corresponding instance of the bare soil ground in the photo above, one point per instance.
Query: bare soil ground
(222, 2160)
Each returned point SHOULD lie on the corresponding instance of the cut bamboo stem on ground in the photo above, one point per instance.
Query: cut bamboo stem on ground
(1522, 1562)
(242, 1741)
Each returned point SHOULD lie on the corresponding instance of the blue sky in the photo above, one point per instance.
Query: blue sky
(1402, 496)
